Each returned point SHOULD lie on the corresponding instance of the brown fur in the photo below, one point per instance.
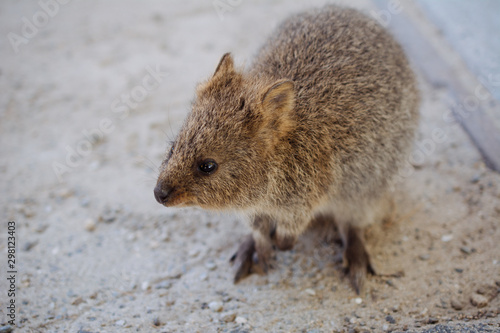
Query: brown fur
(318, 125)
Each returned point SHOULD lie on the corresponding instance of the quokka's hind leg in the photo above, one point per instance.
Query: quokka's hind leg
(351, 221)
(356, 258)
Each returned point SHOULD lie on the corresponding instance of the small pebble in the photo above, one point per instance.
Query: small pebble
(71, 293)
(476, 178)
(210, 265)
(194, 252)
(315, 330)
(41, 228)
(447, 238)
(240, 320)
(165, 236)
(203, 277)
(77, 301)
(65, 193)
(459, 270)
(132, 236)
(109, 214)
(310, 291)
(164, 285)
(229, 317)
(120, 322)
(432, 320)
(478, 300)
(156, 321)
(29, 245)
(90, 225)
(6, 329)
(27, 212)
(456, 304)
(145, 285)
(390, 319)
(174, 274)
(358, 300)
(424, 257)
(466, 250)
(490, 291)
(85, 202)
(215, 306)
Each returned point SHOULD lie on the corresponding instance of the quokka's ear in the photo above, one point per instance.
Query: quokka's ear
(226, 64)
(278, 103)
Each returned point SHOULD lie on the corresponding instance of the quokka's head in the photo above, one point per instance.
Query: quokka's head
(221, 155)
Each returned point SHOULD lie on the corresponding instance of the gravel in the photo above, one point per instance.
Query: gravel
(210, 265)
(241, 320)
(310, 292)
(456, 304)
(466, 250)
(478, 300)
(120, 322)
(215, 306)
(424, 257)
(229, 317)
(90, 224)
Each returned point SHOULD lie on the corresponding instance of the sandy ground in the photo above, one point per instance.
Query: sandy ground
(88, 103)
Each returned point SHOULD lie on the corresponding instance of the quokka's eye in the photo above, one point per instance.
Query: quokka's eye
(207, 166)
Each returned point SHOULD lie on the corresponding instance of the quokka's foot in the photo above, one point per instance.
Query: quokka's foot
(357, 259)
(248, 261)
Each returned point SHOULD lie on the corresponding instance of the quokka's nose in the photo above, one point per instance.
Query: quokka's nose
(161, 194)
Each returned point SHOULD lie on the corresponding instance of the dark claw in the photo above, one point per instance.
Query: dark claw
(243, 259)
(357, 276)
(244, 270)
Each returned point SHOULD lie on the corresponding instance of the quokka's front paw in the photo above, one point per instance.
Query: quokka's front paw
(248, 261)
